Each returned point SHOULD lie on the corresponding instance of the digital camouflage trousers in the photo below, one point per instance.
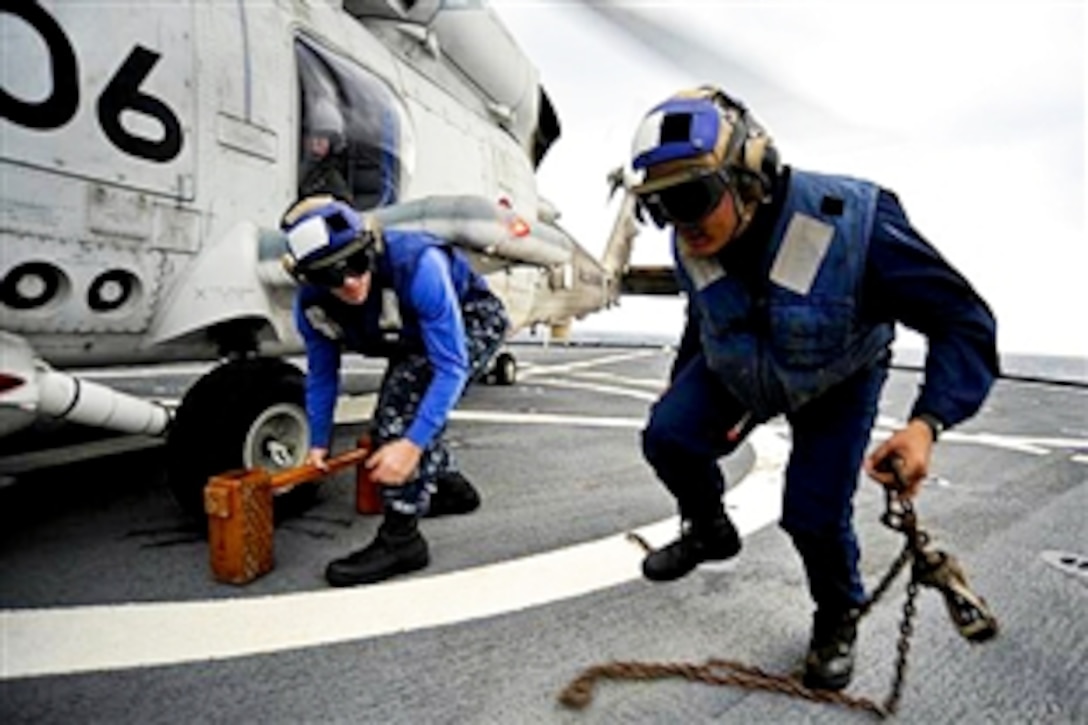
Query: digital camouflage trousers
(402, 388)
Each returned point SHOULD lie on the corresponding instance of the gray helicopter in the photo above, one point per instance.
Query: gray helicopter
(148, 150)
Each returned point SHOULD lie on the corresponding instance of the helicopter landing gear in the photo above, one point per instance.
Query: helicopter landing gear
(243, 414)
(503, 370)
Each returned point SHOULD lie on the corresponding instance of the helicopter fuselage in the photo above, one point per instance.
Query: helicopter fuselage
(147, 152)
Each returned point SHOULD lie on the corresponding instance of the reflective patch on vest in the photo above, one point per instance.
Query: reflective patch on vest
(703, 271)
(802, 252)
(390, 319)
(320, 321)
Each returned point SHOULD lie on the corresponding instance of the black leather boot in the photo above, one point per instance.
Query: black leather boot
(830, 661)
(452, 493)
(714, 539)
(398, 548)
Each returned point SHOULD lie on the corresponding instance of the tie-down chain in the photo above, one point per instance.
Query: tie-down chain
(929, 568)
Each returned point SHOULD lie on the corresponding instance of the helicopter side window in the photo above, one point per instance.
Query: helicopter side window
(354, 140)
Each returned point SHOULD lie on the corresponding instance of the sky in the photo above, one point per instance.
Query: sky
(972, 112)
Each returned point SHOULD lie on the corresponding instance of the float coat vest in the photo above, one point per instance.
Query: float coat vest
(382, 326)
(789, 332)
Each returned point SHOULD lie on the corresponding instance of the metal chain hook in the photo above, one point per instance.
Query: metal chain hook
(937, 569)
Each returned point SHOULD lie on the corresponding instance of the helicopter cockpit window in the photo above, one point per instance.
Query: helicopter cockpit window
(355, 141)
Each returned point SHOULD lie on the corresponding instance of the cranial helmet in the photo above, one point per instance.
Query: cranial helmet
(702, 134)
(326, 240)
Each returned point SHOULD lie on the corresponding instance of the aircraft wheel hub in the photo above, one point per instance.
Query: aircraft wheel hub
(277, 439)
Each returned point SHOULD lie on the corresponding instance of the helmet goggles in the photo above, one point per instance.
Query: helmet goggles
(687, 202)
(330, 271)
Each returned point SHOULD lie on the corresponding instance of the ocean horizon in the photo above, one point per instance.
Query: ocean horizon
(1046, 368)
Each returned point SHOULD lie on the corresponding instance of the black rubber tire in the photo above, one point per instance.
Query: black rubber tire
(505, 369)
(225, 410)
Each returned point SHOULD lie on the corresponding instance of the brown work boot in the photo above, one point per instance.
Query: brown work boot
(398, 548)
(830, 661)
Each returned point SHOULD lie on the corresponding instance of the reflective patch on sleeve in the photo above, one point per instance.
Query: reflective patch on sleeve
(320, 321)
(801, 254)
(390, 318)
(702, 271)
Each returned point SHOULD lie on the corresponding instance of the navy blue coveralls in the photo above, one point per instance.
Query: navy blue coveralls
(902, 279)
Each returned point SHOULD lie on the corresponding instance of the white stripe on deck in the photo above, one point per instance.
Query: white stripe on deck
(95, 638)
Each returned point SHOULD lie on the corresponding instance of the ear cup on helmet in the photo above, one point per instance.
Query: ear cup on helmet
(756, 162)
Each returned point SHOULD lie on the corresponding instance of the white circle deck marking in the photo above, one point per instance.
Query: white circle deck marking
(94, 638)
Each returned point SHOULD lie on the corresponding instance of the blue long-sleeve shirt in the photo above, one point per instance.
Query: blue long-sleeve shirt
(907, 281)
(443, 330)
(433, 299)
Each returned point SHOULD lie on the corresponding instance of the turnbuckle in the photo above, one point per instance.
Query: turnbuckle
(969, 612)
(937, 569)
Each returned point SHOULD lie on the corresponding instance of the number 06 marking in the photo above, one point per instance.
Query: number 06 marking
(122, 93)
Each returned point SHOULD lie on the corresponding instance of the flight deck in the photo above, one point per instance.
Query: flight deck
(110, 614)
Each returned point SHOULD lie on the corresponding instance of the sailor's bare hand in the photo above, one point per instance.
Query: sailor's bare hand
(395, 462)
(913, 447)
(317, 457)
